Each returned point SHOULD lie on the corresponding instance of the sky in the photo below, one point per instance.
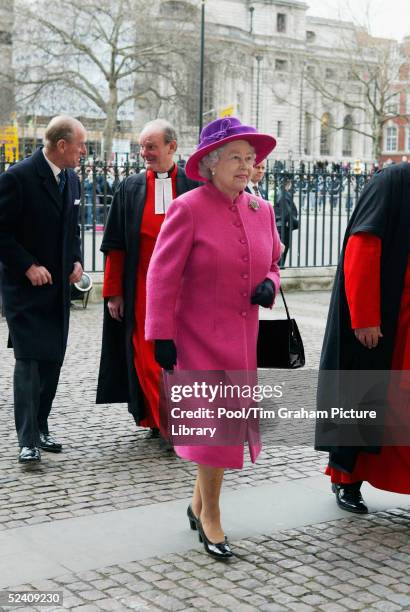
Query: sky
(387, 18)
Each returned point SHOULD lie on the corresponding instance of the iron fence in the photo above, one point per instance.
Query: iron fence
(324, 198)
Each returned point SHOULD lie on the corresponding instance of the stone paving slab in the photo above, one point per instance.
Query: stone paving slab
(353, 563)
(122, 536)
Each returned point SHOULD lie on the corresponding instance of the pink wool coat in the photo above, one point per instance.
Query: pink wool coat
(210, 255)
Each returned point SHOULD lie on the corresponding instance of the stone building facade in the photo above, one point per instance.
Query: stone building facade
(266, 62)
(261, 56)
(396, 132)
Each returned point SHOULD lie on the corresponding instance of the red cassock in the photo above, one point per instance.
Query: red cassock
(148, 371)
(390, 469)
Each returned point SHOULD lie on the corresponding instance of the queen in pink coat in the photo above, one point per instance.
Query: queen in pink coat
(215, 261)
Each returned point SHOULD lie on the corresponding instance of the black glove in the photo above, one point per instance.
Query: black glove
(165, 354)
(264, 293)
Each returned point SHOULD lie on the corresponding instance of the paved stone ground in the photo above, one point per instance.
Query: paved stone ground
(348, 564)
(354, 563)
(107, 462)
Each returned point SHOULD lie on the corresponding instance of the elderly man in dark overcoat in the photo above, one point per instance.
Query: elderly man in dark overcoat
(41, 255)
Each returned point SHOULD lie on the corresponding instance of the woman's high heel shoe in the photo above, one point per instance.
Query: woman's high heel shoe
(221, 550)
(193, 520)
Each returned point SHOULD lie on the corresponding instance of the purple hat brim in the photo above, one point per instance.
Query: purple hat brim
(262, 143)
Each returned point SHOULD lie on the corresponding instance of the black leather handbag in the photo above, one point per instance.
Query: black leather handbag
(280, 343)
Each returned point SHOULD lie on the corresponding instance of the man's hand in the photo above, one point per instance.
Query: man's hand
(38, 275)
(282, 248)
(116, 307)
(77, 273)
(368, 336)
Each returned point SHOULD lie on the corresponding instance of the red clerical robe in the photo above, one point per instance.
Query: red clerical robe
(390, 469)
(148, 371)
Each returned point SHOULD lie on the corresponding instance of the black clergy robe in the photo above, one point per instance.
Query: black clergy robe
(117, 380)
(383, 209)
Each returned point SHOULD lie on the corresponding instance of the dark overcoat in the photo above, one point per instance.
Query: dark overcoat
(38, 225)
(117, 380)
(383, 209)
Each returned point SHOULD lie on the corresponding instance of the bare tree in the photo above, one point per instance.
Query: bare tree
(97, 56)
(367, 83)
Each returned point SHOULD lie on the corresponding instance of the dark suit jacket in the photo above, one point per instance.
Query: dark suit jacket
(38, 225)
(118, 381)
(262, 191)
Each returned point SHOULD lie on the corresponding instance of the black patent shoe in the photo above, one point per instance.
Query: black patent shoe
(29, 455)
(221, 550)
(350, 499)
(49, 444)
(153, 433)
(193, 520)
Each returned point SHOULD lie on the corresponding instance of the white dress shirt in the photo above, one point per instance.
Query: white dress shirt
(251, 187)
(55, 169)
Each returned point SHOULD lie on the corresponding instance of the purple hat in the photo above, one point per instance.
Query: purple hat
(220, 132)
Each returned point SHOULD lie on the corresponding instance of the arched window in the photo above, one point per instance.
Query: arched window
(325, 134)
(308, 134)
(347, 135)
(390, 138)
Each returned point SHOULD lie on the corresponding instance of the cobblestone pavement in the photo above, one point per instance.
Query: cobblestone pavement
(107, 462)
(348, 564)
(354, 563)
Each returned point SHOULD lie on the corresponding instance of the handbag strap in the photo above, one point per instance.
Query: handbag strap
(284, 302)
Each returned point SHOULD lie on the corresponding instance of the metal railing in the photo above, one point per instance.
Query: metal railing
(324, 199)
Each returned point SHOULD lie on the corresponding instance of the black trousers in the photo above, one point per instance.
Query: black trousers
(35, 386)
(285, 239)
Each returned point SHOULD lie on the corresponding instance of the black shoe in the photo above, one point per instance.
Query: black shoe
(153, 433)
(221, 550)
(349, 498)
(166, 446)
(193, 520)
(29, 454)
(47, 443)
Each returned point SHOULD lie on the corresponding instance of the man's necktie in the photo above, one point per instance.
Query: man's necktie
(63, 178)
(256, 190)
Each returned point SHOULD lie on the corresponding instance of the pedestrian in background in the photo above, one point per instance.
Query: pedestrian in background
(41, 255)
(255, 185)
(286, 215)
(214, 263)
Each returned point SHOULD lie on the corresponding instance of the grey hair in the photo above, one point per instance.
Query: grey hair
(61, 127)
(163, 126)
(208, 162)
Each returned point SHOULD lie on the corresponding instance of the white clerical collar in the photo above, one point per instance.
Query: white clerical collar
(55, 169)
(163, 192)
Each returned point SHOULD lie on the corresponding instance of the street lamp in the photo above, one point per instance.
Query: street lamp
(202, 68)
(258, 58)
(251, 12)
(301, 92)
